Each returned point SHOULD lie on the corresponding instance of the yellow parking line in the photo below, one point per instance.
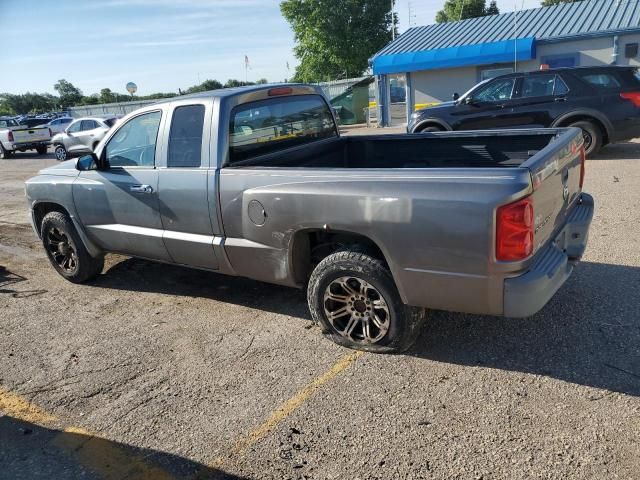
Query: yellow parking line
(288, 407)
(100, 455)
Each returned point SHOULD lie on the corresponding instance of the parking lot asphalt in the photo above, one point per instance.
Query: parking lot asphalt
(155, 371)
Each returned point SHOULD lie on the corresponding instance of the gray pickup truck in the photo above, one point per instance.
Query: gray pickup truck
(258, 182)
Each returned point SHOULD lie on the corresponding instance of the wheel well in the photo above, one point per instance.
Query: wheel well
(429, 123)
(309, 247)
(41, 209)
(578, 118)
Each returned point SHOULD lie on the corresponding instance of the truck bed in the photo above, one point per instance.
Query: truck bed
(424, 150)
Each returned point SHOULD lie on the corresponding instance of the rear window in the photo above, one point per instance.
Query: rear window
(271, 125)
(600, 80)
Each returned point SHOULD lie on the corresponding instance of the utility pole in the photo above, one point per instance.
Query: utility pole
(393, 22)
(412, 15)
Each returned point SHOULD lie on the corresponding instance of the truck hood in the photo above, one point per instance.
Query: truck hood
(435, 108)
(67, 168)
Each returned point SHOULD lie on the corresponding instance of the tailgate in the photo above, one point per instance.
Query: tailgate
(29, 135)
(556, 179)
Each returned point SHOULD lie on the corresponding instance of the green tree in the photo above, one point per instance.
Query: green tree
(107, 96)
(336, 38)
(204, 86)
(454, 10)
(232, 83)
(70, 95)
(549, 3)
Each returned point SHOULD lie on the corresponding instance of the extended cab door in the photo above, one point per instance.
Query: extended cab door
(187, 192)
(489, 106)
(118, 205)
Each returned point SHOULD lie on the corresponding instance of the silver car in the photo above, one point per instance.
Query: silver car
(81, 136)
(58, 125)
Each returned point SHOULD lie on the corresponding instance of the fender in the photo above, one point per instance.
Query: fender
(437, 121)
(585, 112)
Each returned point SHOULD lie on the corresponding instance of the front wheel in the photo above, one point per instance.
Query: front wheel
(430, 128)
(65, 250)
(353, 297)
(60, 153)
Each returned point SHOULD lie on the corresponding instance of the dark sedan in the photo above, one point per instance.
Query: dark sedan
(603, 101)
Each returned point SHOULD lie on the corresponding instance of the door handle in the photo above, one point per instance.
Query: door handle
(141, 189)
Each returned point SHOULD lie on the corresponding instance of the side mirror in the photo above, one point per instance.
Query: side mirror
(469, 100)
(87, 162)
(455, 96)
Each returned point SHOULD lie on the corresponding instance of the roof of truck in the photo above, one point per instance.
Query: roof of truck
(228, 92)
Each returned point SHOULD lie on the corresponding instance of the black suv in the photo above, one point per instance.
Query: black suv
(603, 101)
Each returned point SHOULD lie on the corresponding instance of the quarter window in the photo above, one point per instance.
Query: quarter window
(268, 126)
(495, 91)
(560, 88)
(134, 145)
(88, 125)
(185, 137)
(600, 80)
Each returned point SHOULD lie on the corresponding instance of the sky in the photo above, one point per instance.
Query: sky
(161, 45)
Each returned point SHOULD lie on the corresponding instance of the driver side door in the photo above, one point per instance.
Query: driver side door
(118, 205)
(490, 107)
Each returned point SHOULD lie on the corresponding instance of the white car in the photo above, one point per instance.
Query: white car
(58, 125)
(81, 136)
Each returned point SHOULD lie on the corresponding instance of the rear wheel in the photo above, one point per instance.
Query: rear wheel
(4, 154)
(60, 153)
(353, 297)
(42, 150)
(591, 134)
(65, 250)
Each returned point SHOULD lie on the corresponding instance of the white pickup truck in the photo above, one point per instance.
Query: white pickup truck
(14, 137)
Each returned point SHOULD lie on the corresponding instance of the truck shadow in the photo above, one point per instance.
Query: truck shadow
(588, 334)
(145, 276)
(30, 451)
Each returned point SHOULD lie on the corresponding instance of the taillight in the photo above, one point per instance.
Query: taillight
(10, 136)
(634, 97)
(582, 162)
(50, 134)
(514, 230)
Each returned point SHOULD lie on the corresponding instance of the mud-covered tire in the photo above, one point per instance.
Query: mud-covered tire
(592, 135)
(404, 322)
(4, 154)
(57, 228)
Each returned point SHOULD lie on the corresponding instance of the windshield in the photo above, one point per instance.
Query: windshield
(483, 82)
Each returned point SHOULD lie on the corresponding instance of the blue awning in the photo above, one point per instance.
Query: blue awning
(480, 54)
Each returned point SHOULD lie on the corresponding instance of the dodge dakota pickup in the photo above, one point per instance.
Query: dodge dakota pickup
(257, 182)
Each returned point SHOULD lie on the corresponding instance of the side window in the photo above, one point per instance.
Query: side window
(537, 86)
(600, 80)
(87, 125)
(75, 127)
(560, 88)
(185, 136)
(134, 145)
(495, 91)
(268, 126)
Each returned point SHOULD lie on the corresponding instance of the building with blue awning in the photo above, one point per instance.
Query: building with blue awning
(426, 65)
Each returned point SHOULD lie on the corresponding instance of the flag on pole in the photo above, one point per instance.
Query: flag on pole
(287, 65)
(246, 62)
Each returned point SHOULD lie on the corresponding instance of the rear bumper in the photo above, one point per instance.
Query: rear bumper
(528, 293)
(28, 145)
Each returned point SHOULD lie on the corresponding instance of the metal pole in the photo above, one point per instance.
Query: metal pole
(515, 36)
(393, 23)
